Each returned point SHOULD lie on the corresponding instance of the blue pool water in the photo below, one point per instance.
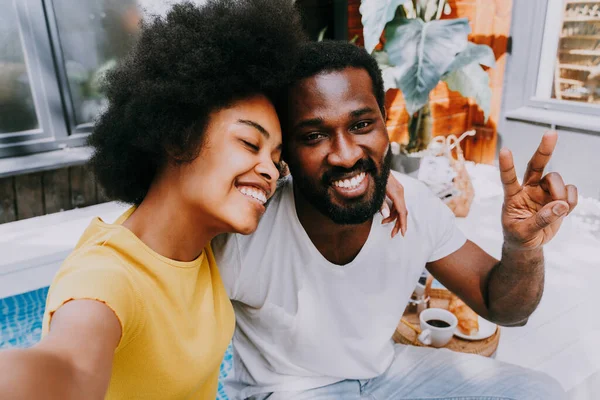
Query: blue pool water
(21, 326)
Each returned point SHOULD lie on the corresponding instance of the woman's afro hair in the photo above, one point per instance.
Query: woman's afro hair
(196, 60)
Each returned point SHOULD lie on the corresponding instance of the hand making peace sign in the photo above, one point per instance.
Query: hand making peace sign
(534, 210)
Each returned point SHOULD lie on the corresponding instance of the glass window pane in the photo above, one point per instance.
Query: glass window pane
(576, 75)
(94, 35)
(17, 108)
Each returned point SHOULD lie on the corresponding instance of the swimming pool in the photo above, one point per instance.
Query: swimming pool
(21, 325)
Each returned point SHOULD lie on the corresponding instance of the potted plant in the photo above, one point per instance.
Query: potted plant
(420, 49)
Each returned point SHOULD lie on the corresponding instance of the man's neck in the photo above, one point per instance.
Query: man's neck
(339, 244)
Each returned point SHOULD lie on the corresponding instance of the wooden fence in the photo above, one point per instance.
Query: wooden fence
(31, 195)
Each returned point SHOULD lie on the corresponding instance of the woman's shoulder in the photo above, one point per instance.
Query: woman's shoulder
(95, 252)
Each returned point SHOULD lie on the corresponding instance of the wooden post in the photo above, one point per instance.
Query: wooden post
(29, 195)
(83, 186)
(8, 201)
(56, 190)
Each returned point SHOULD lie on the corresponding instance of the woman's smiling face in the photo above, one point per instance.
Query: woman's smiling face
(236, 170)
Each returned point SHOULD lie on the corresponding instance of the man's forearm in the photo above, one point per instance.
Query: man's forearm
(515, 285)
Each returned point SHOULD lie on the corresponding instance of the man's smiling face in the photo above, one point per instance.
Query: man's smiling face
(336, 144)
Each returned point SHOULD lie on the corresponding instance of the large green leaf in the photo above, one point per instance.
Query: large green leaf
(389, 73)
(375, 14)
(422, 52)
(472, 81)
(474, 53)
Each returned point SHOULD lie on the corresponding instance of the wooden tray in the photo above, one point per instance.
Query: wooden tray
(440, 298)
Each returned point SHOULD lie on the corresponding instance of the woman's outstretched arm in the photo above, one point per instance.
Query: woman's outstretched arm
(73, 362)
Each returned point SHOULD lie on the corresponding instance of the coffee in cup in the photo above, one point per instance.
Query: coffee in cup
(437, 327)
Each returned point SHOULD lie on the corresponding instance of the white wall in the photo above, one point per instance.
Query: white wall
(577, 155)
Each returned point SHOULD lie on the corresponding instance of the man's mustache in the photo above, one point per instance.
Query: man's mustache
(365, 165)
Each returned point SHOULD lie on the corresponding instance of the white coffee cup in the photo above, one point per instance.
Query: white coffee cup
(434, 335)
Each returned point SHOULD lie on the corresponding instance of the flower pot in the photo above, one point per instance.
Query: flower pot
(420, 128)
(406, 163)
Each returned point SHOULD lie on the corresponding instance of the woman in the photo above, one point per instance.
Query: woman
(191, 138)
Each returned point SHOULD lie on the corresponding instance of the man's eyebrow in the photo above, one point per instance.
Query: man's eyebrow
(256, 126)
(361, 111)
(309, 123)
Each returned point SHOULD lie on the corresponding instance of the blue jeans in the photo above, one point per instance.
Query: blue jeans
(419, 373)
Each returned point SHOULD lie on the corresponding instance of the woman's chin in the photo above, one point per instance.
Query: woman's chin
(244, 227)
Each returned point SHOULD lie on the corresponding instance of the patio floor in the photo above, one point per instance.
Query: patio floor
(560, 339)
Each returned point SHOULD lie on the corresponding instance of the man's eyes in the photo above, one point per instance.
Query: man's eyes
(313, 136)
(361, 125)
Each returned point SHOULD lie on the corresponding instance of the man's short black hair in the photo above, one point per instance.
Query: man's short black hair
(196, 60)
(336, 55)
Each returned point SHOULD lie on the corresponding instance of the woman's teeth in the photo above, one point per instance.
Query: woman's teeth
(253, 192)
(350, 183)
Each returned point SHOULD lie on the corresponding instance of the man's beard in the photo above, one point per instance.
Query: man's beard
(354, 213)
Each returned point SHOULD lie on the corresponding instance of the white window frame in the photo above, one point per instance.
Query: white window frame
(535, 27)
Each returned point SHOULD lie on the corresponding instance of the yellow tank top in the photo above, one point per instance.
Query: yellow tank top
(176, 317)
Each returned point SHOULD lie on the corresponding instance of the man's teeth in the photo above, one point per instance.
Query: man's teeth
(350, 183)
(255, 193)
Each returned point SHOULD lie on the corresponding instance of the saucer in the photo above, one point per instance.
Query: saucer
(486, 329)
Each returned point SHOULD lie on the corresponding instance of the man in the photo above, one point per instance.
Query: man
(320, 287)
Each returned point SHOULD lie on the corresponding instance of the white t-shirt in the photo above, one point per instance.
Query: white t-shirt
(303, 322)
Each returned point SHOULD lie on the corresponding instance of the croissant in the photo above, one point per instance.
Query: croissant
(468, 320)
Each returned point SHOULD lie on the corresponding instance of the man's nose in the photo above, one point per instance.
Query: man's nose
(344, 153)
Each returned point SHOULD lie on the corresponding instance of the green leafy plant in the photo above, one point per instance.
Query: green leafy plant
(420, 50)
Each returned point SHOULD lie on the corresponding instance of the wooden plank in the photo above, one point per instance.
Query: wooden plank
(446, 107)
(8, 210)
(484, 22)
(582, 37)
(29, 195)
(56, 190)
(582, 2)
(397, 115)
(83, 186)
(471, 146)
(580, 52)
(454, 124)
(488, 142)
(582, 19)
(398, 133)
(571, 81)
(576, 67)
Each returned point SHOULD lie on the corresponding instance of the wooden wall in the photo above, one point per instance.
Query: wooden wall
(490, 24)
(31, 195)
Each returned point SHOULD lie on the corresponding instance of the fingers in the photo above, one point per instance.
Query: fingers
(401, 224)
(572, 197)
(554, 184)
(404, 219)
(398, 211)
(549, 214)
(385, 211)
(535, 167)
(400, 218)
(508, 175)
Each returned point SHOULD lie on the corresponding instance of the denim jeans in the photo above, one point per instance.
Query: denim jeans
(419, 373)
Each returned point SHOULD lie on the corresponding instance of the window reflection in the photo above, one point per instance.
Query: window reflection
(17, 108)
(577, 74)
(94, 35)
